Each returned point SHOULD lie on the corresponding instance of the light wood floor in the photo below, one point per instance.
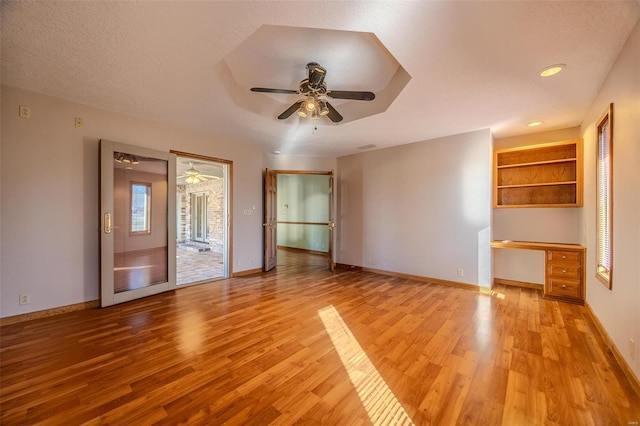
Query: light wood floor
(311, 347)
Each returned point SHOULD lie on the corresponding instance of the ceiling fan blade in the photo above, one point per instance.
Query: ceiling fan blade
(181, 177)
(267, 90)
(290, 110)
(348, 94)
(211, 177)
(333, 114)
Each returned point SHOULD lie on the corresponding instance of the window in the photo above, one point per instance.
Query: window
(140, 208)
(604, 198)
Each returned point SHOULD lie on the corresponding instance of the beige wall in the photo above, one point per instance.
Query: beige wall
(618, 309)
(295, 162)
(421, 209)
(50, 195)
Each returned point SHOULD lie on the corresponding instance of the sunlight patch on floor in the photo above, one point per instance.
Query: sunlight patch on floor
(377, 398)
(487, 291)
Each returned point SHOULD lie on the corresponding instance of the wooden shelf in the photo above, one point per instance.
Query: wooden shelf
(535, 163)
(545, 175)
(534, 245)
(538, 184)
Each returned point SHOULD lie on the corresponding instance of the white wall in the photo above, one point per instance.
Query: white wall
(298, 162)
(303, 198)
(50, 191)
(419, 209)
(552, 225)
(618, 309)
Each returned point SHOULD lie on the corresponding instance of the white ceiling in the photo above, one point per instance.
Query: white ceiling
(473, 65)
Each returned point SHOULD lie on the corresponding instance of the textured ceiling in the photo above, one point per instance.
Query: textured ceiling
(472, 64)
(358, 61)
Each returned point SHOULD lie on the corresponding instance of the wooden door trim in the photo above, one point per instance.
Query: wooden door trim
(330, 254)
(302, 172)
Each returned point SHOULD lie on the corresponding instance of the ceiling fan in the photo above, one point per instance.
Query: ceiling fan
(194, 176)
(314, 89)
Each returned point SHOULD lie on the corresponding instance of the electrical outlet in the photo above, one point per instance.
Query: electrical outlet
(79, 122)
(24, 111)
(24, 299)
(460, 272)
(632, 349)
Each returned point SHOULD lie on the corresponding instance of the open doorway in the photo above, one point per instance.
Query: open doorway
(202, 219)
(300, 224)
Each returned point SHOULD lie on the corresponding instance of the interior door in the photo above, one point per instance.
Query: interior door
(270, 220)
(138, 232)
(332, 225)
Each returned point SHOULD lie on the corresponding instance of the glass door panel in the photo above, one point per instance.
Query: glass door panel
(202, 223)
(138, 245)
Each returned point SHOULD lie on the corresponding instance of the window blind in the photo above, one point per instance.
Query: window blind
(604, 217)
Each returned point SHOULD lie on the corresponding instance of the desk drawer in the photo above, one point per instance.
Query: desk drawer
(559, 270)
(564, 256)
(564, 288)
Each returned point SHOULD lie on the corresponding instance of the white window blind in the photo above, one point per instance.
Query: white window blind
(604, 201)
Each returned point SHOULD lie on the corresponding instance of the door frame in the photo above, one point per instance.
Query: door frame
(331, 224)
(229, 190)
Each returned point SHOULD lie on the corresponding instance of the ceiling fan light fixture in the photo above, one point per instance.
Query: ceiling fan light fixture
(302, 112)
(121, 157)
(310, 104)
(322, 106)
(315, 115)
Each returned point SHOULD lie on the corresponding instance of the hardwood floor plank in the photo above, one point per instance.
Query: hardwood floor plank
(255, 350)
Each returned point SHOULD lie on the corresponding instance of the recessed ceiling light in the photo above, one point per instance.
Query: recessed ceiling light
(276, 152)
(552, 70)
(535, 123)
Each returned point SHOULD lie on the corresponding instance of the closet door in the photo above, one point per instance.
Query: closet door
(138, 231)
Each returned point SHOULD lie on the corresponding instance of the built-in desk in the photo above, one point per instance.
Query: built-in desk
(564, 276)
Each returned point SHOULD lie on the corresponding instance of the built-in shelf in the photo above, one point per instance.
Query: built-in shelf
(545, 175)
(564, 268)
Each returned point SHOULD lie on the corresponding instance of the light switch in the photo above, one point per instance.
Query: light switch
(79, 122)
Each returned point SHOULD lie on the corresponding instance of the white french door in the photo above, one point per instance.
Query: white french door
(138, 217)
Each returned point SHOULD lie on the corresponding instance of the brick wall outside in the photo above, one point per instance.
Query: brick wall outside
(214, 190)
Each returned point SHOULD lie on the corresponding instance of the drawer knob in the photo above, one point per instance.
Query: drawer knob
(564, 257)
(564, 286)
(564, 271)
